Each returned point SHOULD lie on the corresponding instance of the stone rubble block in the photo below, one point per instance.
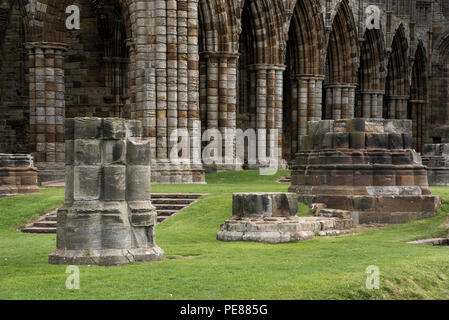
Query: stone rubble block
(107, 218)
(18, 175)
(264, 204)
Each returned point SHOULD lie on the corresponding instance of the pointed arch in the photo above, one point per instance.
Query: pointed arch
(396, 85)
(371, 75)
(303, 78)
(342, 59)
(342, 54)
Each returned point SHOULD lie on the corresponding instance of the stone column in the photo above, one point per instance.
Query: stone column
(193, 87)
(107, 217)
(397, 107)
(340, 99)
(269, 109)
(47, 108)
(309, 103)
(372, 104)
(294, 117)
(220, 88)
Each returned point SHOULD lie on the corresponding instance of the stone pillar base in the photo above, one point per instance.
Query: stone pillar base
(105, 257)
(366, 166)
(436, 158)
(170, 173)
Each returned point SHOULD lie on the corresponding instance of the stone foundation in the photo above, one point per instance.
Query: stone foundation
(436, 158)
(271, 218)
(366, 166)
(18, 175)
(107, 217)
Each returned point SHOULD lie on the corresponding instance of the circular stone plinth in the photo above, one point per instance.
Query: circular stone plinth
(106, 257)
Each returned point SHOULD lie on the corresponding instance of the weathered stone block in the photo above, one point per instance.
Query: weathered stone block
(138, 153)
(114, 183)
(87, 152)
(114, 129)
(114, 152)
(376, 141)
(85, 128)
(357, 140)
(264, 204)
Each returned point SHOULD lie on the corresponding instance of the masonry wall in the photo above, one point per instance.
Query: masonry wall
(260, 64)
(14, 112)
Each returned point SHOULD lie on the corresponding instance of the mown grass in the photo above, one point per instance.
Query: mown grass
(200, 267)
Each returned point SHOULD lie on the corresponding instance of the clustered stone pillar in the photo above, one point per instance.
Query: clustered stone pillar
(47, 108)
(219, 99)
(107, 217)
(170, 86)
(340, 101)
(370, 104)
(267, 110)
(396, 107)
(307, 106)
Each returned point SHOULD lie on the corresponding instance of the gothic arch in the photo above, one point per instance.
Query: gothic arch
(341, 65)
(371, 75)
(396, 85)
(303, 79)
(342, 51)
(263, 23)
(219, 26)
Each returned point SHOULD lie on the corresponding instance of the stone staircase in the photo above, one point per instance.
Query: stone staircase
(167, 205)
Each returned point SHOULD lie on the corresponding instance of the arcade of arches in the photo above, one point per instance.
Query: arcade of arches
(228, 65)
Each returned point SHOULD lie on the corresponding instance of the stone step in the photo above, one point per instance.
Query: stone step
(166, 213)
(172, 201)
(167, 205)
(176, 195)
(39, 230)
(45, 224)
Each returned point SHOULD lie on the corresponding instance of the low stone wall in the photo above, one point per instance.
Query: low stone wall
(107, 217)
(366, 166)
(436, 158)
(18, 175)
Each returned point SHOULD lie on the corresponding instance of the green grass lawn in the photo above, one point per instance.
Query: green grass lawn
(200, 267)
